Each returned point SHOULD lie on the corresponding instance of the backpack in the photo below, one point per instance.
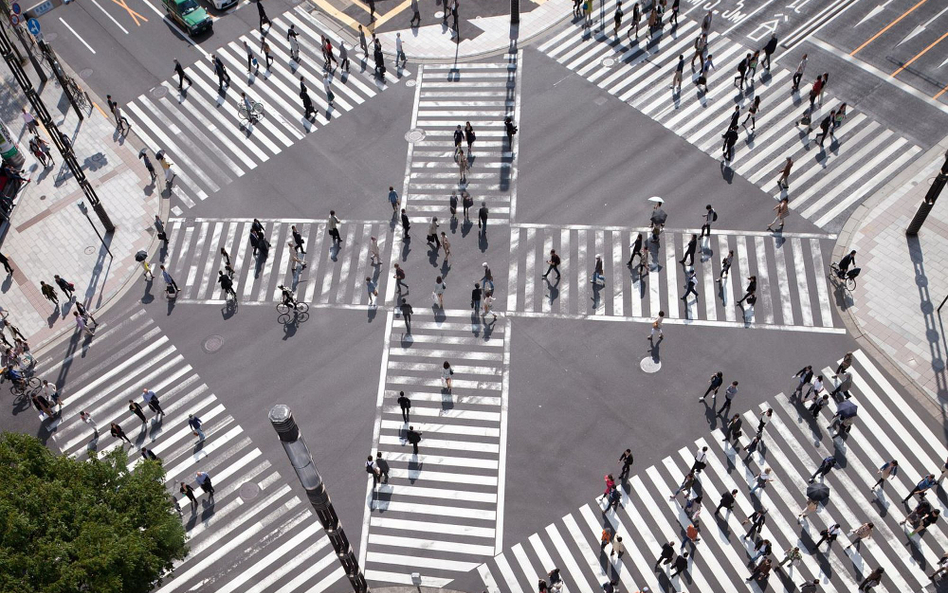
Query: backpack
(714, 216)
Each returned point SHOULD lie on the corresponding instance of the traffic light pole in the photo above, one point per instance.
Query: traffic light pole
(929, 202)
(302, 461)
(8, 52)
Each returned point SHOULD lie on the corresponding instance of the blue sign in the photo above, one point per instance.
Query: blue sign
(42, 8)
(34, 27)
(15, 8)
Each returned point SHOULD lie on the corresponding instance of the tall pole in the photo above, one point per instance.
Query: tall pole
(58, 138)
(514, 12)
(929, 202)
(302, 461)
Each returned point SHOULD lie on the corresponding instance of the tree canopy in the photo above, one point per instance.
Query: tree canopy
(68, 525)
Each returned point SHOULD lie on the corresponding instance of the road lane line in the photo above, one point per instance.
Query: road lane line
(887, 27)
(920, 54)
(89, 47)
(111, 18)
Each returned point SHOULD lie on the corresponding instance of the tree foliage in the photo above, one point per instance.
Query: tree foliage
(68, 525)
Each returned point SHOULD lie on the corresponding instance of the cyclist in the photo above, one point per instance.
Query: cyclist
(845, 263)
(15, 376)
(248, 105)
(288, 299)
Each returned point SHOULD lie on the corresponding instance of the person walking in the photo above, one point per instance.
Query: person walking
(730, 139)
(657, 328)
(49, 292)
(815, 390)
(872, 579)
(818, 404)
(729, 394)
(204, 481)
(382, 466)
(6, 264)
(860, 533)
(121, 122)
(692, 282)
(706, 69)
(828, 535)
(188, 491)
(617, 18)
(482, 218)
(414, 437)
(151, 399)
(742, 72)
(447, 373)
(717, 379)
(489, 304)
(700, 46)
(554, 264)
(297, 240)
(752, 114)
(692, 536)
(728, 500)
(811, 505)
(30, 121)
(487, 278)
(375, 257)
(885, 471)
(782, 210)
(406, 226)
(756, 520)
(67, 287)
(416, 15)
(169, 281)
(679, 72)
(227, 284)
(680, 565)
(825, 124)
(626, 459)
(763, 419)
(333, 224)
(117, 432)
(763, 478)
(222, 76)
(762, 571)
(635, 250)
(805, 376)
(708, 217)
(86, 417)
(793, 555)
(433, 233)
(798, 74)
(292, 38)
(135, 408)
(784, 180)
(470, 137)
(394, 200)
(690, 251)
(297, 264)
(400, 56)
(843, 385)
(733, 431)
(769, 50)
(82, 326)
(598, 276)
(179, 71)
(372, 470)
(763, 547)
(264, 19)
(399, 276)
(476, 294)
(726, 262)
(701, 460)
(438, 291)
(404, 403)
(406, 311)
(826, 466)
(618, 548)
(687, 483)
(195, 424)
(372, 289)
(921, 487)
(665, 556)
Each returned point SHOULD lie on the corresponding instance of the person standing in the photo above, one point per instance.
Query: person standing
(414, 437)
(117, 432)
(729, 394)
(826, 466)
(690, 251)
(828, 535)
(665, 556)
(195, 424)
(717, 379)
(405, 405)
(204, 481)
(554, 264)
(728, 499)
(151, 399)
(406, 314)
(135, 408)
(626, 460)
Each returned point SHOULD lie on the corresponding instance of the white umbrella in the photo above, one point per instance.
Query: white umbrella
(656, 199)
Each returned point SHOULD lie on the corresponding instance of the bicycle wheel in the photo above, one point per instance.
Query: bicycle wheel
(302, 317)
(33, 383)
(851, 284)
(243, 113)
(302, 307)
(258, 110)
(282, 309)
(284, 318)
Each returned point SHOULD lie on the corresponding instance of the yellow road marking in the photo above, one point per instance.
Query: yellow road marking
(135, 16)
(920, 54)
(96, 105)
(392, 13)
(338, 15)
(353, 23)
(941, 92)
(887, 27)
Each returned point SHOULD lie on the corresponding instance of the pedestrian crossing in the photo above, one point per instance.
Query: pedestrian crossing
(824, 185)
(201, 131)
(441, 513)
(448, 95)
(794, 443)
(793, 291)
(255, 535)
(334, 275)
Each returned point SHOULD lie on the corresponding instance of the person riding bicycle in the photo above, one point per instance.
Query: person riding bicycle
(15, 376)
(248, 105)
(845, 263)
(288, 299)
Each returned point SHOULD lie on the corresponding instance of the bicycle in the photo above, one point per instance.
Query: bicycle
(80, 95)
(24, 386)
(252, 115)
(848, 279)
(282, 308)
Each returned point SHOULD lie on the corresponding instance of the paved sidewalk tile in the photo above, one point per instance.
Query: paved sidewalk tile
(48, 234)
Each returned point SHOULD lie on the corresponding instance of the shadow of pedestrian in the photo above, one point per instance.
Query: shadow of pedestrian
(229, 309)
(482, 240)
(439, 315)
(407, 341)
(727, 173)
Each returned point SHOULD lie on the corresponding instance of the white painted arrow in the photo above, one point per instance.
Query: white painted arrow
(876, 10)
(921, 27)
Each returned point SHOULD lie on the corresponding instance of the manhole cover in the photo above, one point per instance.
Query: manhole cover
(415, 135)
(439, 14)
(50, 36)
(609, 62)
(159, 92)
(249, 491)
(213, 343)
(411, 82)
(43, 197)
(89, 250)
(650, 365)
(85, 73)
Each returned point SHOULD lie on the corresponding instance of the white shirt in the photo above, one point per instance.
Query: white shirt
(701, 455)
(802, 66)
(439, 288)
(374, 250)
(398, 44)
(446, 373)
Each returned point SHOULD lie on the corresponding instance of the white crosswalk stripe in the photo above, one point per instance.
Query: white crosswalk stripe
(792, 286)
(793, 445)
(333, 274)
(253, 509)
(200, 130)
(825, 185)
(482, 93)
(440, 513)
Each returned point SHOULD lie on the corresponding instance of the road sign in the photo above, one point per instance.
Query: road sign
(34, 27)
(14, 20)
(15, 8)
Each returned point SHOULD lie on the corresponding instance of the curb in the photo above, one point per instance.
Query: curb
(164, 209)
(844, 238)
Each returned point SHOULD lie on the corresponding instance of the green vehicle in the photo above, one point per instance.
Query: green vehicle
(189, 15)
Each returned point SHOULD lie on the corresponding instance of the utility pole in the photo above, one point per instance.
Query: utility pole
(302, 461)
(58, 138)
(514, 12)
(929, 202)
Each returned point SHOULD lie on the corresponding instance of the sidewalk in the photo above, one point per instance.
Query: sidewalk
(903, 279)
(48, 234)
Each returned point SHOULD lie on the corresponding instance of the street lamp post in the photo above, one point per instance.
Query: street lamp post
(929, 202)
(84, 210)
(302, 461)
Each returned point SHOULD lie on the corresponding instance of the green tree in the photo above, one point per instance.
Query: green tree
(68, 525)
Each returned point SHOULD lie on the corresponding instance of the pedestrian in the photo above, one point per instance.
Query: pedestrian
(784, 180)
(728, 499)
(181, 75)
(53, 394)
(30, 121)
(635, 250)
(700, 45)
(730, 139)
(626, 460)
(414, 437)
(815, 91)
(438, 292)
(818, 404)
(687, 483)
(554, 264)
(857, 534)
(399, 279)
(297, 264)
(195, 424)
(482, 218)
(761, 571)
(489, 303)
(923, 486)
(6, 264)
(826, 77)
(136, 408)
(263, 16)
(693, 508)
(742, 73)
(729, 394)
(372, 289)
(188, 491)
(487, 278)
(227, 284)
(885, 471)
(825, 128)
(446, 375)
(222, 76)
(805, 376)
(752, 113)
(81, 324)
(169, 281)
(400, 51)
(782, 210)
(826, 466)
(798, 74)
(679, 70)
(706, 67)
(432, 237)
(121, 122)
(690, 251)
(617, 18)
(769, 50)
(333, 225)
(811, 505)
(816, 388)
(666, 555)
(763, 419)
(252, 65)
(618, 548)
(717, 379)
(810, 586)
(752, 66)
(680, 565)
(708, 217)
(363, 44)
(86, 417)
(470, 137)
(405, 405)
(149, 455)
(828, 535)
(476, 294)
(291, 37)
(382, 466)
(297, 240)
(510, 129)
(762, 479)
(793, 555)
(118, 433)
(67, 287)
(843, 385)
(406, 311)
(657, 328)
(204, 481)
(151, 398)
(394, 200)
(598, 276)
(416, 15)
(726, 262)
(756, 520)
(692, 536)
(872, 579)
(840, 116)
(763, 547)
(49, 292)
(927, 521)
(676, 8)
(463, 165)
(692, 282)
(374, 471)
(406, 225)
